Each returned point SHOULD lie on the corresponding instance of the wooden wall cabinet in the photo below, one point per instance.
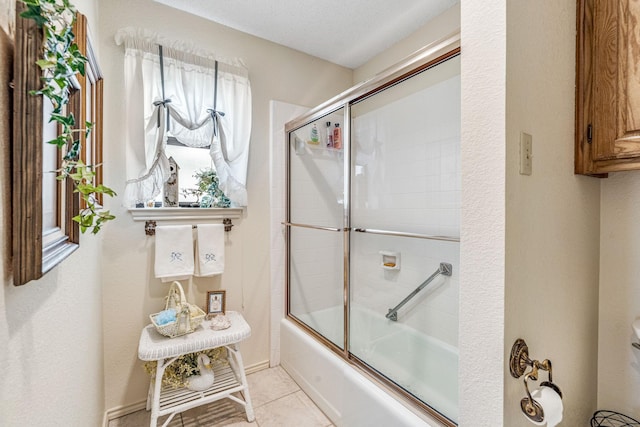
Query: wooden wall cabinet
(607, 87)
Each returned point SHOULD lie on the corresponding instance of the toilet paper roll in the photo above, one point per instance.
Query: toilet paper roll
(551, 403)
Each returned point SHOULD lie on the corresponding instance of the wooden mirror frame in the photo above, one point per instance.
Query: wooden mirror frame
(32, 258)
(92, 101)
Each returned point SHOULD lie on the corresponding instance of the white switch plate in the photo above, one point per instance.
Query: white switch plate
(526, 153)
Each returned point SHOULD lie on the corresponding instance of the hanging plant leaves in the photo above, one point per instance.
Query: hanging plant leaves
(61, 61)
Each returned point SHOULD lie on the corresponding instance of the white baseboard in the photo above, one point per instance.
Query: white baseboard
(256, 367)
(121, 411)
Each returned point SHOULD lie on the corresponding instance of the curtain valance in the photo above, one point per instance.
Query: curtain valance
(202, 101)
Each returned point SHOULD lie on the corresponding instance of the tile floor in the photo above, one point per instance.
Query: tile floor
(277, 402)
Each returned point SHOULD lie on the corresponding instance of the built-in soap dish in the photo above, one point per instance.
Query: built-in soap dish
(390, 260)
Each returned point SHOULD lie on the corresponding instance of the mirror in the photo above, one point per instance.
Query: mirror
(44, 233)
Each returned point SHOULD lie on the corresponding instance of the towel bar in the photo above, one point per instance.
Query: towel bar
(445, 269)
(150, 226)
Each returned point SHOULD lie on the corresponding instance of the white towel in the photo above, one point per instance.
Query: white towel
(174, 252)
(210, 250)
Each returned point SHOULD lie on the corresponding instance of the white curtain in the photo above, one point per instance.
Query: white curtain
(201, 113)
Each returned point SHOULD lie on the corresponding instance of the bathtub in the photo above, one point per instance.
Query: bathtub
(425, 366)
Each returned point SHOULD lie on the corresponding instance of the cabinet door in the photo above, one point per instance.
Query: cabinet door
(608, 86)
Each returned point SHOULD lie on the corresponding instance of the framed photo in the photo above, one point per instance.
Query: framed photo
(215, 303)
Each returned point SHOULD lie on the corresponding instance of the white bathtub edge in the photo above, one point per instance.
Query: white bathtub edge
(325, 406)
(346, 396)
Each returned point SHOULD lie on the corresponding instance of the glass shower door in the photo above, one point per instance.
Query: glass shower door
(315, 226)
(405, 205)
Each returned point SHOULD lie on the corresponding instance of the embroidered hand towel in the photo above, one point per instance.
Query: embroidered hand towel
(174, 252)
(210, 250)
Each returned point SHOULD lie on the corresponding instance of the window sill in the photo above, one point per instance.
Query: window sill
(185, 214)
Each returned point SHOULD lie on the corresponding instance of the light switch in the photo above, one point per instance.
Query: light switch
(526, 153)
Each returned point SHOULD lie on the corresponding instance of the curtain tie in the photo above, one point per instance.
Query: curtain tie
(215, 116)
(164, 103)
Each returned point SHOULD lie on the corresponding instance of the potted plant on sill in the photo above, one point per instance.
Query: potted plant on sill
(208, 193)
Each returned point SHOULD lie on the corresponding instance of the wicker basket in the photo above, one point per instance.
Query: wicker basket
(188, 316)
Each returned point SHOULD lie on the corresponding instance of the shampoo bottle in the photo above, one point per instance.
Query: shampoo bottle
(314, 135)
(329, 136)
(337, 137)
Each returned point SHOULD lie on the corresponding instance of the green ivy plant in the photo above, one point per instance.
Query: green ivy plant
(61, 60)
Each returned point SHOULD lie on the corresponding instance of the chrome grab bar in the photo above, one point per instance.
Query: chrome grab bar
(403, 234)
(445, 269)
(313, 227)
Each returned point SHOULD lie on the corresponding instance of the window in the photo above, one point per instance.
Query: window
(185, 103)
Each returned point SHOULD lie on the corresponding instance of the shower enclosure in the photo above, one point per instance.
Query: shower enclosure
(372, 227)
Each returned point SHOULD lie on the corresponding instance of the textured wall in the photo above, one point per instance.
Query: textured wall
(618, 362)
(483, 220)
(440, 26)
(131, 293)
(552, 241)
(50, 329)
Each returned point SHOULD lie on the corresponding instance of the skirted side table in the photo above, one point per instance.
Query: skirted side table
(229, 378)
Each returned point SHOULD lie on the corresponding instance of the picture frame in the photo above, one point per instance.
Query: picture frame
(44, 233)
(216, 301)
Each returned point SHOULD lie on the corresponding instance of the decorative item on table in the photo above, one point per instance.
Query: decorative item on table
(219, 322)
(206, 377)
(215, 303)
(186, 372)
(165, 316)
(187, 316)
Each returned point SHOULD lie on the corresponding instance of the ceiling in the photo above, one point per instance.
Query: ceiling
(345, 32)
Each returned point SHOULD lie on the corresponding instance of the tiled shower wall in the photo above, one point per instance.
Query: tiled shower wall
(317, 198)
(405, 177)
(407, 160)
(433, 311)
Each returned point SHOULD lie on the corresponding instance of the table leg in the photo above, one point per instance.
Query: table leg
(150, 394)
(155, 394)
(239, 369)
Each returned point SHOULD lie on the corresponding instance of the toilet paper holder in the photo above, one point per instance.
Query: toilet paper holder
(519, 361)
